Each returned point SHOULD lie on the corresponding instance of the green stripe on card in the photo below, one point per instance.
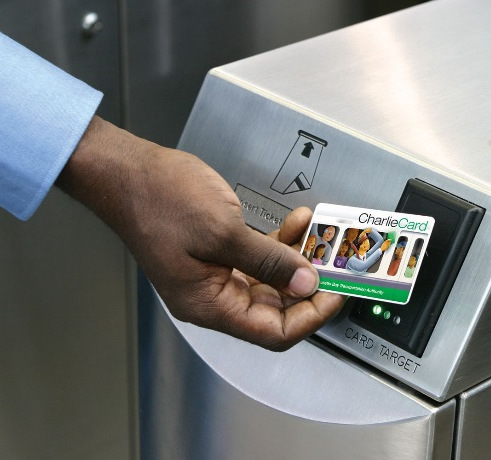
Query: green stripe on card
(365, 290)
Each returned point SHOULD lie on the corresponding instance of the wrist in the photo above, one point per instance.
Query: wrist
(101, 170)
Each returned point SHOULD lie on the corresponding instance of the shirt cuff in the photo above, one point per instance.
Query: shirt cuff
(43, 114)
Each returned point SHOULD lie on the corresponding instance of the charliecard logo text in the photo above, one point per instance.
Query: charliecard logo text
(366, 218)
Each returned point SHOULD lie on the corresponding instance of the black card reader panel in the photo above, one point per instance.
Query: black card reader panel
(456, 222)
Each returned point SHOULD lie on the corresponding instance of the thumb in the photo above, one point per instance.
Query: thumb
(274, 263)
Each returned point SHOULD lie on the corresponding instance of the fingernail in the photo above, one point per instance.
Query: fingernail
(304, 282)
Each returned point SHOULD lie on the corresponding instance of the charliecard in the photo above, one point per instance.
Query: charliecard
(366, 252)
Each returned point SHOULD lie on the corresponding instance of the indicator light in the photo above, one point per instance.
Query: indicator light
(387, 314)
(397, 320)
(377, 309)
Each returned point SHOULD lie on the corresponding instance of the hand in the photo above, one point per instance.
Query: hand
(184, 225)
(305, 316)
(385, 245)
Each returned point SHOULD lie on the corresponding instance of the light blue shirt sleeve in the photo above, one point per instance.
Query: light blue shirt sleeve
(43, 114)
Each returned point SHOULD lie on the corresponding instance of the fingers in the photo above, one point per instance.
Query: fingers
(274, 263)
(294, 226)
(259, 314)
(269, 261)
(254, 311)
(277, 322)
(279, 329)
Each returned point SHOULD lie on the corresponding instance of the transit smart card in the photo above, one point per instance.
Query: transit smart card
(367, 253)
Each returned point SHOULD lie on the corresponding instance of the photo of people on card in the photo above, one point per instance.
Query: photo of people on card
(365, 252)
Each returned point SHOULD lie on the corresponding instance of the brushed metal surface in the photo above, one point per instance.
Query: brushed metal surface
(258, 151)
(472, 423)
(231, 400)
(65, 379)
(248, 114)
(416, 80)
(261, 213)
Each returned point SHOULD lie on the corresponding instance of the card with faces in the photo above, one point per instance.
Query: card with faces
(366, 252)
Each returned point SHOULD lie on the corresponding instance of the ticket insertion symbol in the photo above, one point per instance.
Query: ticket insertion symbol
(298, 170)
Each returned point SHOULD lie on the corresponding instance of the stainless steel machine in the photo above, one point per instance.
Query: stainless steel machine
(396, 111)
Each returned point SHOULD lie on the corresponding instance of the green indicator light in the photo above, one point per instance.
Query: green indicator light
(377, 309)
(387, 315)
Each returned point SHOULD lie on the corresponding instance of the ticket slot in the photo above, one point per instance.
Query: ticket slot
(456, 222)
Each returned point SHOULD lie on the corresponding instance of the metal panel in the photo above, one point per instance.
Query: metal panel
(473, 421)
(260, 103)
(65, 381)
(233, 400)
(393, 80)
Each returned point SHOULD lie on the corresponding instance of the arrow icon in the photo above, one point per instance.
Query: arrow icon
(308, 147)
(298, 170)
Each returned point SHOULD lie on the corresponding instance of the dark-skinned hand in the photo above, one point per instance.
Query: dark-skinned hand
(184, 226)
